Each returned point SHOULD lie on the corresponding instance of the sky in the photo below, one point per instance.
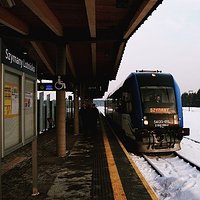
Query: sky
(169, 40)
(180, 181)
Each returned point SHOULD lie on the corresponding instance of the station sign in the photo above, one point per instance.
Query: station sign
(94, 90)
(12, 59)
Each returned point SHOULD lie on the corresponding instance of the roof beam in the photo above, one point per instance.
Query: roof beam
(140, 15)
(13, 22)
(94, 58)
(43, 55)
(91, 16)
(40, 9)
(70, 60)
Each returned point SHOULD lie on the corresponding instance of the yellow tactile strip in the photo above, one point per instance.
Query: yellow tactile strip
(145, 183)
(114, 175)
(118, 191)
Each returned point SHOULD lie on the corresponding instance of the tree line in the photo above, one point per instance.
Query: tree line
(191, 99)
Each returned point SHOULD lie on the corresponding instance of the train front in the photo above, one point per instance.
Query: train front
(162, 120)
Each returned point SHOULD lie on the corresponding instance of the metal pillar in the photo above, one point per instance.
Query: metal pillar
(60, 105)
(76, 111)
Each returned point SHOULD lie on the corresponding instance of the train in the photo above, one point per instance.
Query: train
(147, 107)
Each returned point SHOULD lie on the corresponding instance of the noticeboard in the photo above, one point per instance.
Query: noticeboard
(18, 100)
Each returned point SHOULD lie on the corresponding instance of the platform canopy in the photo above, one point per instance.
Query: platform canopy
(93, 32)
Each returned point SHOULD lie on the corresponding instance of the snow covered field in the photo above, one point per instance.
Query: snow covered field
(185, 183)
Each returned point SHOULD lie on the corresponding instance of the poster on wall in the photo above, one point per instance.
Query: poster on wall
(11, 100)
(28, 101)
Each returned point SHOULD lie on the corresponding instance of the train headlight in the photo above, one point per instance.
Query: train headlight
(175, 119)
(146, 122)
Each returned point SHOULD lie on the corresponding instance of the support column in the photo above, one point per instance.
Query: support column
(76, 111)
(1, 115)
(82, 92)
(61, 105)
(34, 168)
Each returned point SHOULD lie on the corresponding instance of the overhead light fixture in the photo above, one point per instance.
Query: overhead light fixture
(7, 3)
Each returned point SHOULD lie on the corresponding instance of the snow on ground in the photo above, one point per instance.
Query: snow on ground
(178, 186)
(184, 185)
(191, 120)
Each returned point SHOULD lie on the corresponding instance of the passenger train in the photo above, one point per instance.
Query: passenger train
(148, 108)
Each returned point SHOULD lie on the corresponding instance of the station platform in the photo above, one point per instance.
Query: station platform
(97, 166)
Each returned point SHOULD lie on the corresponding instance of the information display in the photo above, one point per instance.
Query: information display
(29, 99)
(57, 85)
(11, 100)
(18, 100)
(12, 115)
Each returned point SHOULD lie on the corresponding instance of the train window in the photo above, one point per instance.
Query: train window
(119, 105)
(127, 104)
(158, 97)
(109, 106)
(129, 107)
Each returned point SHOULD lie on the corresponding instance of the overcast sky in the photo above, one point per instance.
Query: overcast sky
(169, 40)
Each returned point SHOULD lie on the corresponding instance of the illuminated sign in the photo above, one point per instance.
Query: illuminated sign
(49, 87)
(57, 85)
(46, 87)
(159, 110)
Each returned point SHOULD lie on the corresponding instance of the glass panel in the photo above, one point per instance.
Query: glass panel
(12, 115)
(158, 100)
(29, 105)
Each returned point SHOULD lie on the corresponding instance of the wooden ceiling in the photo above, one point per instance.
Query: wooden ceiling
(94, 33)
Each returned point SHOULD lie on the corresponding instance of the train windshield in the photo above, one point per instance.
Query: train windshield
(158, 99)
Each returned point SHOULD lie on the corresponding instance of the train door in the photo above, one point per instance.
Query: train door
(127, 108)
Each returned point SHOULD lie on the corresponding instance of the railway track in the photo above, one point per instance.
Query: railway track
(171, 165)
(188, 161)
(187, 138)
(171, 176)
